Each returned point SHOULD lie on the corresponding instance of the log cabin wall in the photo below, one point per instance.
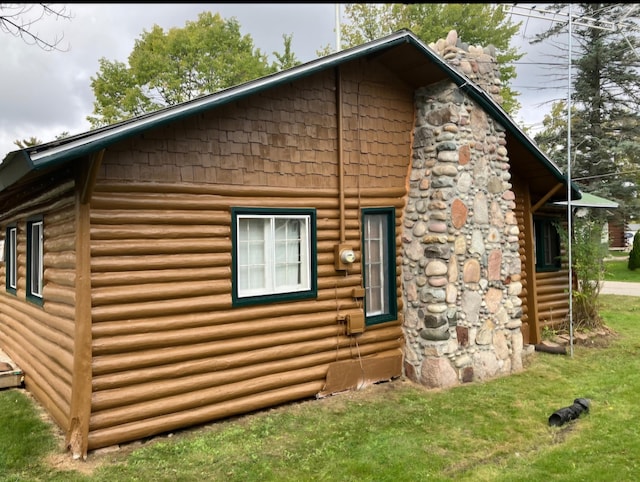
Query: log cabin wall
(40, 338)
(545, 300)
(169, 349)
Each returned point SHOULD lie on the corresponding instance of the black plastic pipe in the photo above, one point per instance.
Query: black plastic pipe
(566, 414)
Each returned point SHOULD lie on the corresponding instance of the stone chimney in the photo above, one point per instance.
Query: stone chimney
(461, 263)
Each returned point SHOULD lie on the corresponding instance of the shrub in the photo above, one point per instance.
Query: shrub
(634, 255)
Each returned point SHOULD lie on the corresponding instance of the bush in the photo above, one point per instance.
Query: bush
(634, 255)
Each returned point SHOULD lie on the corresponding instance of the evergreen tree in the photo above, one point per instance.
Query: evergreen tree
(605, 128)
(634, 255)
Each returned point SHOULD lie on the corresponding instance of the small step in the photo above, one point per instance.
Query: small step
(11, 375)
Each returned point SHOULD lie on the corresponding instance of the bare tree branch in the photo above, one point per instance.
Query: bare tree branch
(18, 19)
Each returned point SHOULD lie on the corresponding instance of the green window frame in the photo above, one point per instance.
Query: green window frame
(11, 258)
(35, 260)
(379, 265)
(274, 255)
(547, 245)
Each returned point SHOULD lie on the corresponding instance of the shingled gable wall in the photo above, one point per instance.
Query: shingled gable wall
(461, 263)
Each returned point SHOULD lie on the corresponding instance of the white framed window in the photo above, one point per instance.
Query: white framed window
(274, 254)
(35, 270)
(11, 258)
(379, 266)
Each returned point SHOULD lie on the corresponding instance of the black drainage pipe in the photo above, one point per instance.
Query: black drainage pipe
(566, 414)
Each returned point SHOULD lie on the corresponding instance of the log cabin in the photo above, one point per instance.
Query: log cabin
(368, 215)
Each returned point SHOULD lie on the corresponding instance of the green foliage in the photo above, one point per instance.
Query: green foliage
(481, 24)
(167, 68)
(286, 59)
(587, 258)
(24, 143)
(634, 255)
(605, 127)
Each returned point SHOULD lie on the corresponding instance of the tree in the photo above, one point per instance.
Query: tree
(634, 255)
(477, 24)
(24, 143)
(167, 68)
(18, 19)
(287, 59)
(588, 268)
(605, 127)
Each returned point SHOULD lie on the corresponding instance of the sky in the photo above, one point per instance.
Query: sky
(45, 93)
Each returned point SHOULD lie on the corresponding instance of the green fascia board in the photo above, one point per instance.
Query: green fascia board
(58, 152)
(15, 166)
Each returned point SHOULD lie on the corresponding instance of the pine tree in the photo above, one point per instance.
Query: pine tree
(605, 126)
(634, 255)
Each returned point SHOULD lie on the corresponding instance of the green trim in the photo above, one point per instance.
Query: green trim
(312, 292)
(35, 299)
(390, 271)
(10, 259)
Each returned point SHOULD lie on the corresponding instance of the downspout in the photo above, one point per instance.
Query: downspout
(339, 134)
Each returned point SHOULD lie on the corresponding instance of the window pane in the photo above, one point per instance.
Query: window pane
(35, 253)
(12, 258)
(376, 264)
(272, 254)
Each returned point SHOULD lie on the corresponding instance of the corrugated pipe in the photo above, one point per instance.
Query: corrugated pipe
(566, 414)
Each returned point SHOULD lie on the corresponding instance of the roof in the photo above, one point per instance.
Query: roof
(402, 52)
(591, 201)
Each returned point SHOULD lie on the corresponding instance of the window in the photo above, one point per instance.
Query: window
(274, 254)
(379, 255)
(34, 260)
(547, 245)
(11, 258)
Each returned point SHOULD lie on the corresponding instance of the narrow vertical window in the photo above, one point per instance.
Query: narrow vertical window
(34, 260)
(11, 258)
(379, 267)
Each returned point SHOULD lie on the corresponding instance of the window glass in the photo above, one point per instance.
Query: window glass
(547, 245)
(274, 254)
(34, 259)
(379, 265)
(11, 244)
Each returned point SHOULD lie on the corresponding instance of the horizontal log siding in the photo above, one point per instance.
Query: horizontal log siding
(40, 338)
(169, 347)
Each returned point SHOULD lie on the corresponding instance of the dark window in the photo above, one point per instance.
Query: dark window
(11, 258)
(35, 270)
(547, 245)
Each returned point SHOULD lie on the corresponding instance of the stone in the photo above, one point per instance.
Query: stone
(459, 213)
(438, 373)
(493, 299)
(464, 155)
(462, 333)
(494, 265)
(471, 271)
(480, 209)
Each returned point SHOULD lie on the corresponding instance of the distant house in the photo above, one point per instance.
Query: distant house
(367, 215)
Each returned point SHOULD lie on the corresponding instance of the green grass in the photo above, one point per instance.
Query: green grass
(617, 270)
(492, 431)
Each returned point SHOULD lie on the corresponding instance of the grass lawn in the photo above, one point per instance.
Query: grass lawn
(616, 269)
(492, 431)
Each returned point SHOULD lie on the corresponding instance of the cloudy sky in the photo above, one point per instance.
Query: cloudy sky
(45, 93)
